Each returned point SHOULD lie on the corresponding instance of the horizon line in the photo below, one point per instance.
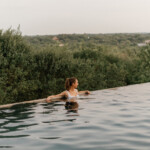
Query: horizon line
(84, 33)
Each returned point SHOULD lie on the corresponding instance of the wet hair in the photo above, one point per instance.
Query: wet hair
(69, 82)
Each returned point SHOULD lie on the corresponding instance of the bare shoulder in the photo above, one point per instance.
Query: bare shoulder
(64, 93)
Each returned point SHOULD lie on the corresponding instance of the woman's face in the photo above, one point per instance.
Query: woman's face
(76, 84)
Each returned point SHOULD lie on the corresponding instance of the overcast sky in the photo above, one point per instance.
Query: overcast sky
(44, 17)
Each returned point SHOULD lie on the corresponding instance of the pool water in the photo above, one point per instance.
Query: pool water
(112, 119)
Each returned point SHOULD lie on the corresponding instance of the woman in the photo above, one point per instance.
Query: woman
(71, 92)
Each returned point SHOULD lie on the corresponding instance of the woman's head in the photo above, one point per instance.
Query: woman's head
(71, 82)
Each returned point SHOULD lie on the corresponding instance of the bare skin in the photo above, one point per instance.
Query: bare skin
(72, 91)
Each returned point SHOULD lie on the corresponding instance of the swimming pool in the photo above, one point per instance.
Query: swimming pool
(112, 119)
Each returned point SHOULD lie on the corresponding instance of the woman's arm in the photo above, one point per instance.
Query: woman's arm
(61, 95)
(84, 92)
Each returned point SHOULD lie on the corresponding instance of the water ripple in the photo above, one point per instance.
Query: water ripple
(106, 120)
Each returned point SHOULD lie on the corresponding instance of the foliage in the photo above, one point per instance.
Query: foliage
(35, 67)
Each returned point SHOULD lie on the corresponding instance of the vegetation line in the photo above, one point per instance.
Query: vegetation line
(33, 67)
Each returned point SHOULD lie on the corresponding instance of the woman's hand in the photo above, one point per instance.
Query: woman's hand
(87, 92)
(48, 99)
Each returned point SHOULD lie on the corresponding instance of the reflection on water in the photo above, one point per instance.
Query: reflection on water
(113, 119)
(72, 106)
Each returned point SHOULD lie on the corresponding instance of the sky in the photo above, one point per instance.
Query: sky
(49, 17)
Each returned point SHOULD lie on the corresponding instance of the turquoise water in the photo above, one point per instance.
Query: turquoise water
(112, 119)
